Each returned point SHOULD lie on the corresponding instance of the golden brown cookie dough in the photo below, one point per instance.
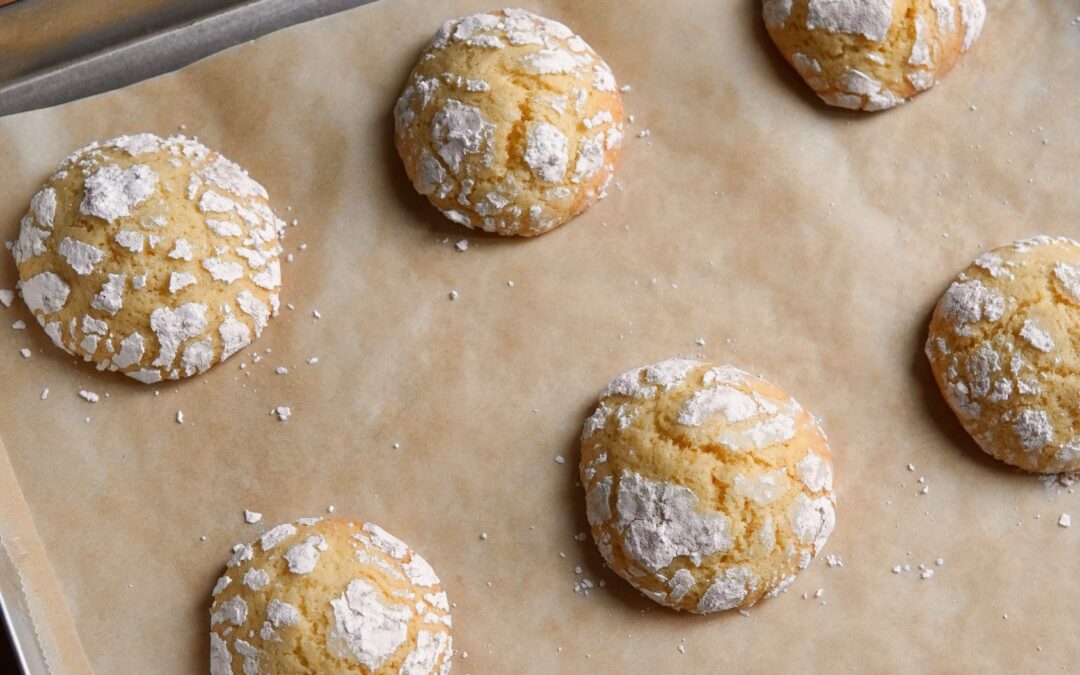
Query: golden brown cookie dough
(154, 257)
(873, 54)
(510, 123)
(329, 596)
(706, 488)
(1004, 351)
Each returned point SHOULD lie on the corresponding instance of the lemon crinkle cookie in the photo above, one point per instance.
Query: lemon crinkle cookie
(155, 257)
(329, 596)
(873, 54)
(706, 488)
(509, 123)
(1003, 349)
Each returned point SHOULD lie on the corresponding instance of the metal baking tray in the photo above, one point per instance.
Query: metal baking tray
(54, 51)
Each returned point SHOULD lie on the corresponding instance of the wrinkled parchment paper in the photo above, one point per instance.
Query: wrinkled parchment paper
(799, 242)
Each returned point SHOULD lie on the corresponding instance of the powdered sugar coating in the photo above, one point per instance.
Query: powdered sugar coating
(1001, 349)
(347, 595)
(869, 18)
(689, 500)
(120, 233)
(873, 54)
(509, 123)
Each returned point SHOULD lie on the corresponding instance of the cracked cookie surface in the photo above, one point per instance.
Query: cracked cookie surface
(510, 123)
(329, 596)
(873, 54)
(1005, 351)
(706, 488)
(155, 257)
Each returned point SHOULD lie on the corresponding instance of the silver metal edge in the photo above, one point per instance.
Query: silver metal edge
(20, 625)
(160, 52)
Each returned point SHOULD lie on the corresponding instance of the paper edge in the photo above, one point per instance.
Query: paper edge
(56, 643)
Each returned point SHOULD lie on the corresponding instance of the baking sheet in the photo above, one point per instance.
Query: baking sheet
(57, 51)
(799, 242)
(37, 34)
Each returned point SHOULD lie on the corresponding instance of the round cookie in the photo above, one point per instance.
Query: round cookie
(509, 123)
(873, 54)
(328, 596)
(706, 488)
(1004, 350)
(154, 257)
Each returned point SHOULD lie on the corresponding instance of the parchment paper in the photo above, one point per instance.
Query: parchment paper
(802, 243)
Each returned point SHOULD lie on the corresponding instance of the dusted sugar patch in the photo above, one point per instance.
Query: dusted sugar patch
(329, 596)
(155, 257)
(706, 488)
(509, 123)
(1002, 351)
(873, 54)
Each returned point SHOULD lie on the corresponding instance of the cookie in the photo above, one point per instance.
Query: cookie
(873, 54)
(154, 257)
(328, 596)
(706, 488)
(1003, 351)
(510, 123)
